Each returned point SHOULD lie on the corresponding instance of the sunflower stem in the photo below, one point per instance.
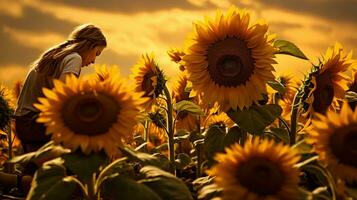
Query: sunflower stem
(146, 131)
(92, 195)
(293, 119)
(11, 167)
(170, 128)
(283, 122)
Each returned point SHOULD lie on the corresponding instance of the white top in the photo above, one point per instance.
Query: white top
(35, 81)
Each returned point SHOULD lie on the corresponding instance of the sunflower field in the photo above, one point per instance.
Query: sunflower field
(228, 127)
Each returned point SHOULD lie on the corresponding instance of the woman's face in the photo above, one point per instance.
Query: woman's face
(90, 56)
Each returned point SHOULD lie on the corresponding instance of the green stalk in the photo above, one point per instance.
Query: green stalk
(199, 161)
(11, 167)
(294, 118)
(92, 194)
(170, 129)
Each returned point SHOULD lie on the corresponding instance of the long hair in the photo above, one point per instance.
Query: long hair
(82, 39)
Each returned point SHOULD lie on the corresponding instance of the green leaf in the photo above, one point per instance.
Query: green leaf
(50, 181)
(208, 192)
(323, 176)
(277, 86)
(120, 187)
(166, 185)
(118, 166)
(351, 96)
(47, 152)
(281, 134)
(188, 106)
(161, 147)
(180, 138)
(234, 135)
(213, 143)
(144, 158)
(202, 181)
(307, 161)
(288, 48)
(304, 194)
(321, 193)
(352, 192)
(182, 160)
(85, 165)
(66, 187)
(256, 118)
(303, 147)
(141, 147)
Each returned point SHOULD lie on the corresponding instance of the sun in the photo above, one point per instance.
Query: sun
(90, 114)
(229, 59)
(334, 137)
(259, 170)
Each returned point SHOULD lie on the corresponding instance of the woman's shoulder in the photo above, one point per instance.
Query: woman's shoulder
(72, 56)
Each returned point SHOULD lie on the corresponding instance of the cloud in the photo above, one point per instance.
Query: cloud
(32, 19)
(14, 53)
(134, 5)
(341, 10)
(110, 57)
(13, 74)
(281, 27)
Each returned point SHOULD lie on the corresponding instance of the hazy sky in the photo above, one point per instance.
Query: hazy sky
(29, 27)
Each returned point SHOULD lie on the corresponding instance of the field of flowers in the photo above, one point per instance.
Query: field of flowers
(229, 128)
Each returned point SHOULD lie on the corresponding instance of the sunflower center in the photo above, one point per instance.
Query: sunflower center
(324, 93)
(261, 176)
(230, 66)
(344, 144)
(90, 113)
(230, 62)
(89, 110)
(147, 84)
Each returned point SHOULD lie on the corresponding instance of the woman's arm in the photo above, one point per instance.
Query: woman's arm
(72, 65)
(63, 76)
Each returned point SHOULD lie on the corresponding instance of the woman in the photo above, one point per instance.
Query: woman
(84, 44)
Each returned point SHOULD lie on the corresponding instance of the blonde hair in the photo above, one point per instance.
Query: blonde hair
(82, 39)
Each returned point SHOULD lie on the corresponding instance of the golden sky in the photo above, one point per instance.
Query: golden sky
(29, 27)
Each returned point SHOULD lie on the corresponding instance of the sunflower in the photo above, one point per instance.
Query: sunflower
(230, 60)
(289, 84)
(17, 88)
(7, 105)
(329, 81)
(89, 114)
(103, 72)
(176, 56)
(259, 170)
(148, 78)
(287, 97)
(157, 117)
(218, 119)
(8, 96)
(157, 135)
(334, 138)
(181, 91)
(353, 88)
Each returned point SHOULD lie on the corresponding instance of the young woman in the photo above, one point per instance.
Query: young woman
(84, 44)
